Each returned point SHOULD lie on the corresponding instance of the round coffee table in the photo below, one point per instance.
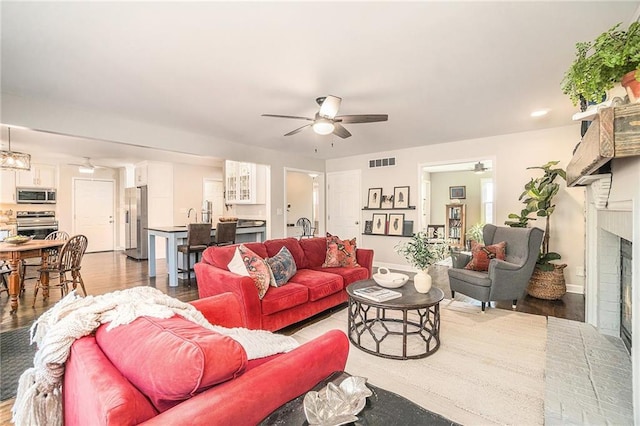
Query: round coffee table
(404, 328)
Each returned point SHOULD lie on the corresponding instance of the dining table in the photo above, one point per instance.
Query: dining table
(15, 253)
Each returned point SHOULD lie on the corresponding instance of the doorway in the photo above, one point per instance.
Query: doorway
(304, 198)
(93, 212)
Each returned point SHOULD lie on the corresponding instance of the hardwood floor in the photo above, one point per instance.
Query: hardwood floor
(109, 271)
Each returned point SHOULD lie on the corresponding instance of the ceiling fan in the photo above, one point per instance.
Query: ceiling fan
(87, 166)
(326, 120)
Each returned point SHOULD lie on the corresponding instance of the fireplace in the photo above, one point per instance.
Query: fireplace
(625, 292)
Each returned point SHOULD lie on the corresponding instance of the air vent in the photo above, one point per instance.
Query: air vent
(382, 162)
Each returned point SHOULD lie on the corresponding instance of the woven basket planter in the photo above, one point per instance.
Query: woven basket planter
(548, 285)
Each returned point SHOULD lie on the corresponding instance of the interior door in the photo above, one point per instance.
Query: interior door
(213, 190)
(93, 215)
(344, 203)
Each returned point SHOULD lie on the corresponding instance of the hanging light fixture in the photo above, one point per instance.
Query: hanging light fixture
(479, 168)
(12, 160)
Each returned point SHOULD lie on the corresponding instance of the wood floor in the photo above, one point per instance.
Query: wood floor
(109, 271)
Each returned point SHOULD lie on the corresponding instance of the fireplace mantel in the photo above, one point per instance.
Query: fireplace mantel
(614, 133)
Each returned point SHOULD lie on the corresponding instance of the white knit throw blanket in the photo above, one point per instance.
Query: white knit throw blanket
(39, 396)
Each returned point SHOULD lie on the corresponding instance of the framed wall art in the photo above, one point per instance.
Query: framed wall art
(379, 224)
(396, 224)
(368, 226)
(457, 192)
(375, 198)
(400, 197)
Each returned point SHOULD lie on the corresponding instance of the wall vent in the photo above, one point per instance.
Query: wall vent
(382, 162)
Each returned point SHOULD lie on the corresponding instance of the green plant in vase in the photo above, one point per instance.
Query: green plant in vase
(421, 253)
(475, 233)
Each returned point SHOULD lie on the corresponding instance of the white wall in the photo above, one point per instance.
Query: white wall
(188, 190)
(513, 153)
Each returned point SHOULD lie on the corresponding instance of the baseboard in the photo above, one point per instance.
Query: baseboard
(573, 288)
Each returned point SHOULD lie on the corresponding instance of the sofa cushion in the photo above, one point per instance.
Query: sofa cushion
(349, 275)
(283, 267)
(285, 297)
(340, 253)
(221, 256)
(320, 284)
(248, 264)
(481, 255)
(172, 359)
(293, 245)
(315, 250)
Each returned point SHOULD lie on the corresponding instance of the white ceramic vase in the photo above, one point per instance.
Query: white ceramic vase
(422, 281)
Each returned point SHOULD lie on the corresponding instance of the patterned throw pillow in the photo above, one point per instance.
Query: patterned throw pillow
(283, 267)
(246, 263)
(340, 253)
(481, 255)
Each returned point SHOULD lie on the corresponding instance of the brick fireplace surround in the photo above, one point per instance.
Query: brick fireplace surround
(613, 212)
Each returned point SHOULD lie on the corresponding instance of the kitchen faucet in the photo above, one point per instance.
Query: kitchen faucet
(189, 213)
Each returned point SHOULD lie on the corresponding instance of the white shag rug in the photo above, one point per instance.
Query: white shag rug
(489, 368)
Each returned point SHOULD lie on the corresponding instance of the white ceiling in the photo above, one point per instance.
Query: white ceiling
(443, 71)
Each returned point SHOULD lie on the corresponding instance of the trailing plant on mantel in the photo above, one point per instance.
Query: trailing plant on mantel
(538, 198)
(602, 63)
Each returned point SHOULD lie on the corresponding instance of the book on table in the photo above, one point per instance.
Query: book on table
(377, 294)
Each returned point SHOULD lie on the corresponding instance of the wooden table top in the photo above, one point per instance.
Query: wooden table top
(30, 245)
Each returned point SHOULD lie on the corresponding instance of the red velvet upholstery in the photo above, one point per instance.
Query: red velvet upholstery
(96, 393)
(205, 358)
(283, 306)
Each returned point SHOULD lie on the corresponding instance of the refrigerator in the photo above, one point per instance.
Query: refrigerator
(136, 223)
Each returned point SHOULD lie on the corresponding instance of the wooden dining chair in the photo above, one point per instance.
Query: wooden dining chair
(198, 239)
(37, 263)
(66, 268)
(225, 234)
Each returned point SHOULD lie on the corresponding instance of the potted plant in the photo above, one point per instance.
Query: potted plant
(475, 233)
(547, 281)
(421, 253)
(614, 56)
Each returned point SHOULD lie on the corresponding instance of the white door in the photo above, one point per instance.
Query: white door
(344, 204)
(93, 214)
(214, 192)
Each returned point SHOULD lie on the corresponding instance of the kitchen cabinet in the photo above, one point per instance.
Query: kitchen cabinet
(40, 176)
(141, 174)
(8, 187)
(240, 182)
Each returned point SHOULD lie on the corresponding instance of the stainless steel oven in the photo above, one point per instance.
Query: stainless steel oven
(35, 195)
(36, 224)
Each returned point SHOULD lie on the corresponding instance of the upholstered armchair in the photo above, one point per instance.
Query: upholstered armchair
(506, 279)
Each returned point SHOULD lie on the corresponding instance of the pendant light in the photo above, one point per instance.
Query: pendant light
(12, 160)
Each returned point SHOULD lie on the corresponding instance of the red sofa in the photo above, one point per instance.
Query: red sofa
(171, 371)
(312, 290)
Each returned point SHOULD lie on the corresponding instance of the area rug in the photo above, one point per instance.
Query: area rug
(16, 355)
(489, 368)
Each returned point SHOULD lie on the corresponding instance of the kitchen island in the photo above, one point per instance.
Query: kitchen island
(176, 235)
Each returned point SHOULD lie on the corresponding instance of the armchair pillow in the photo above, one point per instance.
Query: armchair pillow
(246, 263)
(340, 253)
(482, 255)
(283, 267)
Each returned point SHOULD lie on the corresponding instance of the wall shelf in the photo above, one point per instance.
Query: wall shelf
(386, 235)
(391, 208)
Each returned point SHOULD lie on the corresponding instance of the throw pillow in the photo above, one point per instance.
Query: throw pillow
(246, 263)
(340, 253)
(481, 255)
(283, 267)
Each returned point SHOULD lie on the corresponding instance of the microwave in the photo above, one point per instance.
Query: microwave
(35, 196)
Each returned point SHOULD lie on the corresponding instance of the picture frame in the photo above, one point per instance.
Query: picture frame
(396, 224)
(457, 192)
(379, 224)
(374, 201)
(368, 226)
(400, 197)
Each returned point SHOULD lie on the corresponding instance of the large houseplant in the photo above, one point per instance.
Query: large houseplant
(613, 56)
(421, 252)
(547, 281)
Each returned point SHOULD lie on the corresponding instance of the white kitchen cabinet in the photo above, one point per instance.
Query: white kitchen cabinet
(141, 174)
(240, 182)
(40, 175)
(8, 187)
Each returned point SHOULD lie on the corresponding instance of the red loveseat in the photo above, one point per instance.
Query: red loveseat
(171, 371)
(311, 290)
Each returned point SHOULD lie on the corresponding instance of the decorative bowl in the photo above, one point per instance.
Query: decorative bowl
(17, 239)
(388, 279)
(337, 405)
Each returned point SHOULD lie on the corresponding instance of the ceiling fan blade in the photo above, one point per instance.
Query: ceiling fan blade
(287, 116)
(330, 106)
(299, 129)
(339, 130)
(362, 118)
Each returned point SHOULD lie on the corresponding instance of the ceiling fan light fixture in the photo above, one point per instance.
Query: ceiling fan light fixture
(86, 170)
(479, 168)
(323, 127)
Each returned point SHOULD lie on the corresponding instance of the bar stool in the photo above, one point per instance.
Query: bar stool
(198, 239)
(225, 234)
